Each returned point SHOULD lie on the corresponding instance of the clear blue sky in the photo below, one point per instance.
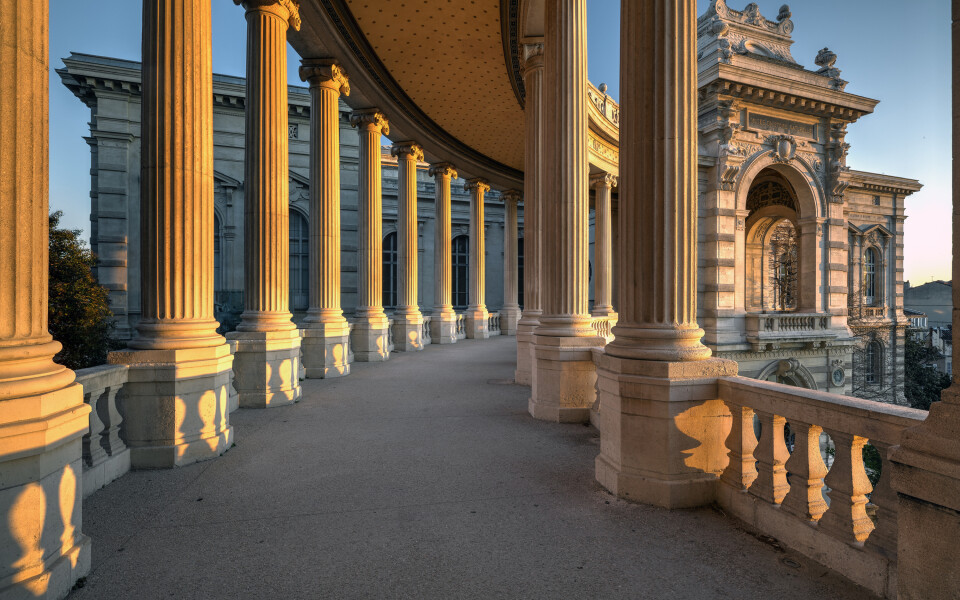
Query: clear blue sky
(897, 55)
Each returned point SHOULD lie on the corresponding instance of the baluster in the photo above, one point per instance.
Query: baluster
(847, 517)
(741, 471)
(93, 453)
(884, 537)
(807, 470)
(111, 439)
(772, 454)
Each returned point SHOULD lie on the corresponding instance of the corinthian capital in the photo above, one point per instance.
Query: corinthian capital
(513, 196)
(403, 149)
(478, 184)
(532, 54)
(370, 118)
(325, 72)
(288, 10)
(443, 170)
(603, 180)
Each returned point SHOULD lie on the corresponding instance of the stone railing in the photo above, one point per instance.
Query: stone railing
(765, 329)
(789, 493)
(461, 326)
(350, 324)
(425, 338)
(607, 107)
(390, 323)
(105, 456)
(493, 324)
(604, 327)
(873, 312)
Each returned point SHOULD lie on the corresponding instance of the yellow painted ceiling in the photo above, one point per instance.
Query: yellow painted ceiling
(448, 57)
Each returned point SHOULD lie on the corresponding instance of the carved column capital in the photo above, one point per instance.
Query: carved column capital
(512, 196)
(404, 149)
(443, 170)
(288, 10)
(532, 52)
(479, 185)
(370, 119)
(603, 180)
(325, 72)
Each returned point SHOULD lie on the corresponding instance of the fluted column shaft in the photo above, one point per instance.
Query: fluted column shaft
(408, 155)
(327, 82)
(532, 182)
(510, 248)
(266, 227)
(477, 292)
(565, 226)
(603, 247)
(658, 183)
(442, 173)
(371, 124)
(26, 347)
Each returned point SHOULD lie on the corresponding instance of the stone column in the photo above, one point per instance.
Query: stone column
(510, 313)
(532, 190)
(925, 473)
(176, 401)
(326, 333)
(657, 384)
(268, 343)
(476, 316)
(443, 326)
(42, 414)
(408, 322)
(603, 247)
(563, 373)
(370, 330)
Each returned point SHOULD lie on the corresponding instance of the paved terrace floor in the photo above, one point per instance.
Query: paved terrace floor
(423, 477)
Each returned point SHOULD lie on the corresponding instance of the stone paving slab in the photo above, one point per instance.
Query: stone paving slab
(422, 477)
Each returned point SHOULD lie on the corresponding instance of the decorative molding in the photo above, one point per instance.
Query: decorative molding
(443, 169)
(292, 8)
(514, 196)
(510, 35)
(325, 72)
(478, 184)
(603, 180)
(403, 149)
(370, 117)
(784, 148)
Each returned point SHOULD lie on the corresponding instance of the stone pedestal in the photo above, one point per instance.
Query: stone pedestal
(267, 368)
(476, 321)
(325, 337)
(370, 338)
(663, 430)
(563, 379)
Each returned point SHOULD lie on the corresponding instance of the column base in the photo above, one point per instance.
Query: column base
(663, 430)
(176, 405)
(369, 340)
(42, 550)
(408, 332)
(266, 367)
(325, 348)
(475, 322)
(443, 328)
(525, 331)
(563, 378)
(509, 320)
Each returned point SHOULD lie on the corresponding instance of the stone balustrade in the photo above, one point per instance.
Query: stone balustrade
(425, 338)
(493, 324)
(873, 312)
(792, 495)
(771, 329)
(105, 455)
(390, 345)
(604, 325)
(461, 326)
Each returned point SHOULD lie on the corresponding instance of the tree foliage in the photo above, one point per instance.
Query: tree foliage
(79, 313)
(922, 383)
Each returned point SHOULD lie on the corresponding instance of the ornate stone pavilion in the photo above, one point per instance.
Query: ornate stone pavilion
(764, 207)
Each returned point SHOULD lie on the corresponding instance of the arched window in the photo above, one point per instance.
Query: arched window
(461, 271)
(299, 262)
(870, 277)
(873, 369)
(217, 257)
(784, 266)
(390, 270)
(520, 272)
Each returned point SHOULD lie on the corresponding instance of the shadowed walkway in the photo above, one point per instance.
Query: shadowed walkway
(420, 477)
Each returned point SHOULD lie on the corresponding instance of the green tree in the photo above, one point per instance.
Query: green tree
(79, 314)
(922, 384)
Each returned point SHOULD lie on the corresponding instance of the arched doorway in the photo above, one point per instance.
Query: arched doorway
(772, 248)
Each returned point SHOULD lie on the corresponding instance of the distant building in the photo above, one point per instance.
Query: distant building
(935, 299)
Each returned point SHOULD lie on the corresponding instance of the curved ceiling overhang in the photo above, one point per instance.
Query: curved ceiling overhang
(438, 74)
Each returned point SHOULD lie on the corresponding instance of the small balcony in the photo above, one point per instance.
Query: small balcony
(767, 331)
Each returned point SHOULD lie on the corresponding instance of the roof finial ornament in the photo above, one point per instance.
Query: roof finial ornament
(825, 60)
(784, 13)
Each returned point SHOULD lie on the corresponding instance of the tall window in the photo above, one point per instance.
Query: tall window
(784, 265)
(870, 277)
(873, 369)
(217, 268)
(461, 271)
(520, 272)
(390, 270)
(299, 262)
